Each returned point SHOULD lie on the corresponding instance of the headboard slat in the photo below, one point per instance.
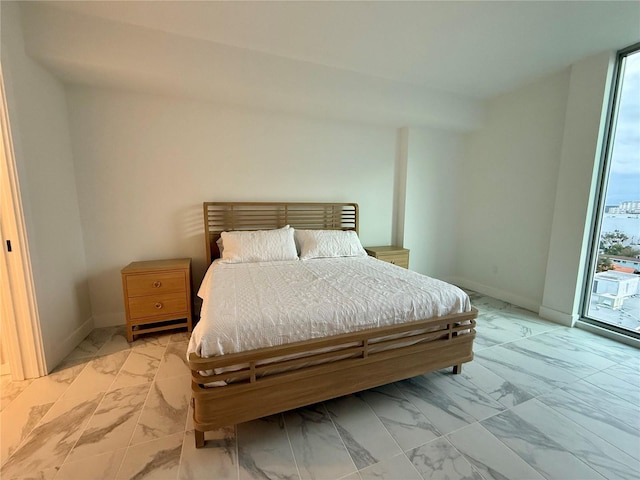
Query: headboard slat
(225, 216)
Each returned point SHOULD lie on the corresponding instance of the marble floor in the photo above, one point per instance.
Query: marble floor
(539, 401)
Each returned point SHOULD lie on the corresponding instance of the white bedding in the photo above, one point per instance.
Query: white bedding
(253, 305)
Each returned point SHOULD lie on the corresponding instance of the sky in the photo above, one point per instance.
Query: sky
(624, 176)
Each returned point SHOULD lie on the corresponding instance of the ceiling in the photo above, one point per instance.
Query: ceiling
(418, 55)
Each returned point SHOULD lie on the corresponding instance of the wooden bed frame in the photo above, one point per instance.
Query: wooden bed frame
(303, 373)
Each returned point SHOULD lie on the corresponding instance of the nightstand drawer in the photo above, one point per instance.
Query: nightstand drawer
(402, 260)
(155, 283)
(396, 255)
(157, 305)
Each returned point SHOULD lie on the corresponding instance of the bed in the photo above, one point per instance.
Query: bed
(306, 352)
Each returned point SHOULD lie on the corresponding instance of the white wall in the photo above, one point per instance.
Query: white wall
(432, 191)
(507, 188)
(145, 164)
(38, 116)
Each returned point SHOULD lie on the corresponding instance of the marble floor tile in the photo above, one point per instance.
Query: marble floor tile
(589, 342)
(351, 476)
(610, 405)
(51, 441)
(530, 372)
(362, 432)
(151, 339)
(484, 303)
(634, 361)
(436, 407)
(599, 454)
(395, 468)
(492, 458)
(155, 460)
(217, 459)
(317, 447)
(439, 459)
(18, 420)
(508, 311)
(165, 411)
(51, 387)
(113, 423)
(523, 315)
(174, 361)
(480, 405)
(264, 450)
(495, 328)
(527, 435)
(141, 366)
(93, 342)
(46, 474)
(628, 372)
(404, 421)
(449, 401)
(501, 390)
(616, 386)
(104, 466)
(10, 389)
(189, 425)
(117, 342)
(607, 416)
(98, 375)
(180, 337)
(581, 363)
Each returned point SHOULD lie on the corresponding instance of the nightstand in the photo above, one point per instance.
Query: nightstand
(157, 296)
(397, 255)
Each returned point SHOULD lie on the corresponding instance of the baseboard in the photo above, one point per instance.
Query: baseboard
(110, 320)
(65, 347)
(505, 296)
(555, 316)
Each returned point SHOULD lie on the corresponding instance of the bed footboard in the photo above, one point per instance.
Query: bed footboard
(275, 379)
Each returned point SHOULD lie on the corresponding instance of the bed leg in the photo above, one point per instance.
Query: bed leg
(199, 438)
(457, 369)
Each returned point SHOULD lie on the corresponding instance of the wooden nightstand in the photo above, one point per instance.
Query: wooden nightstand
(157, 296)
(396, 255)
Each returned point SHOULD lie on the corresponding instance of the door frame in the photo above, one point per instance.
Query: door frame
(19, 319)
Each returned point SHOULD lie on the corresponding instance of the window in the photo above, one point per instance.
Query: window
(612, 296)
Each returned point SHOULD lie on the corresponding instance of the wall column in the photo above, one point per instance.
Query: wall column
(589, 88)
(400, 186)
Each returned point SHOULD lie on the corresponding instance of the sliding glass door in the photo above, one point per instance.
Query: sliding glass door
(612, 297)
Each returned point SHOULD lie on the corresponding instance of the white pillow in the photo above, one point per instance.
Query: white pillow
(258, 246)
(328, 244)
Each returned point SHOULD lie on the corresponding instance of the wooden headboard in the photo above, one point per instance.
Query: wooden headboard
(225, 216)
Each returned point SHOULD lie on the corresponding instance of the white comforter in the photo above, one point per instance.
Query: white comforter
(252, 305)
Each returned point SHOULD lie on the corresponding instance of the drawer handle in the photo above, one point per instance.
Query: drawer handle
(158, 305)
(157, 284)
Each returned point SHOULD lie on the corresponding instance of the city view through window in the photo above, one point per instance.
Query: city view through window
(614, 293)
